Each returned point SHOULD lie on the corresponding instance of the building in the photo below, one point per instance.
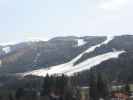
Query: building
(119, 96)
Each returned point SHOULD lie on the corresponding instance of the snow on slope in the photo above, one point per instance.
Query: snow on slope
(68, 67)
(6, 49)
(81, 42)
(87, 64)
(109, 38)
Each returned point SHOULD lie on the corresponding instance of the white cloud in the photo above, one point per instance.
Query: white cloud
(113, 4)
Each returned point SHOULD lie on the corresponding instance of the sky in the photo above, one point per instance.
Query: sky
(22, 20)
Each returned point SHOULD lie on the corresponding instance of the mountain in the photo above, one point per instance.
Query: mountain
(29, 56)
(111, 55)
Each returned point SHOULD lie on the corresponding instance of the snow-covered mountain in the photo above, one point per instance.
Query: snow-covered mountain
(69, 68)
(29, 56)
(65, 55)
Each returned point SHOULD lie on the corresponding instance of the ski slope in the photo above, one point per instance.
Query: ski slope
(87, 64)
(69, 69)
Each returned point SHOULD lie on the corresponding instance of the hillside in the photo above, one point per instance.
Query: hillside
(111, 55)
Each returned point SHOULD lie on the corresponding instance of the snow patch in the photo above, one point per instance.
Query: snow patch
(6, 49)
(81, 42)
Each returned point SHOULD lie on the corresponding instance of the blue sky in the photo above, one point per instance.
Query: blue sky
(22, 20)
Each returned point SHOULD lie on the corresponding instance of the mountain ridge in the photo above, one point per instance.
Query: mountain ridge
(44, 57)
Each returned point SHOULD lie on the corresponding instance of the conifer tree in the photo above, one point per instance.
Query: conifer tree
(127, 89)
(46, 85)
(19, 93)
(93, 87)
(102, 87)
